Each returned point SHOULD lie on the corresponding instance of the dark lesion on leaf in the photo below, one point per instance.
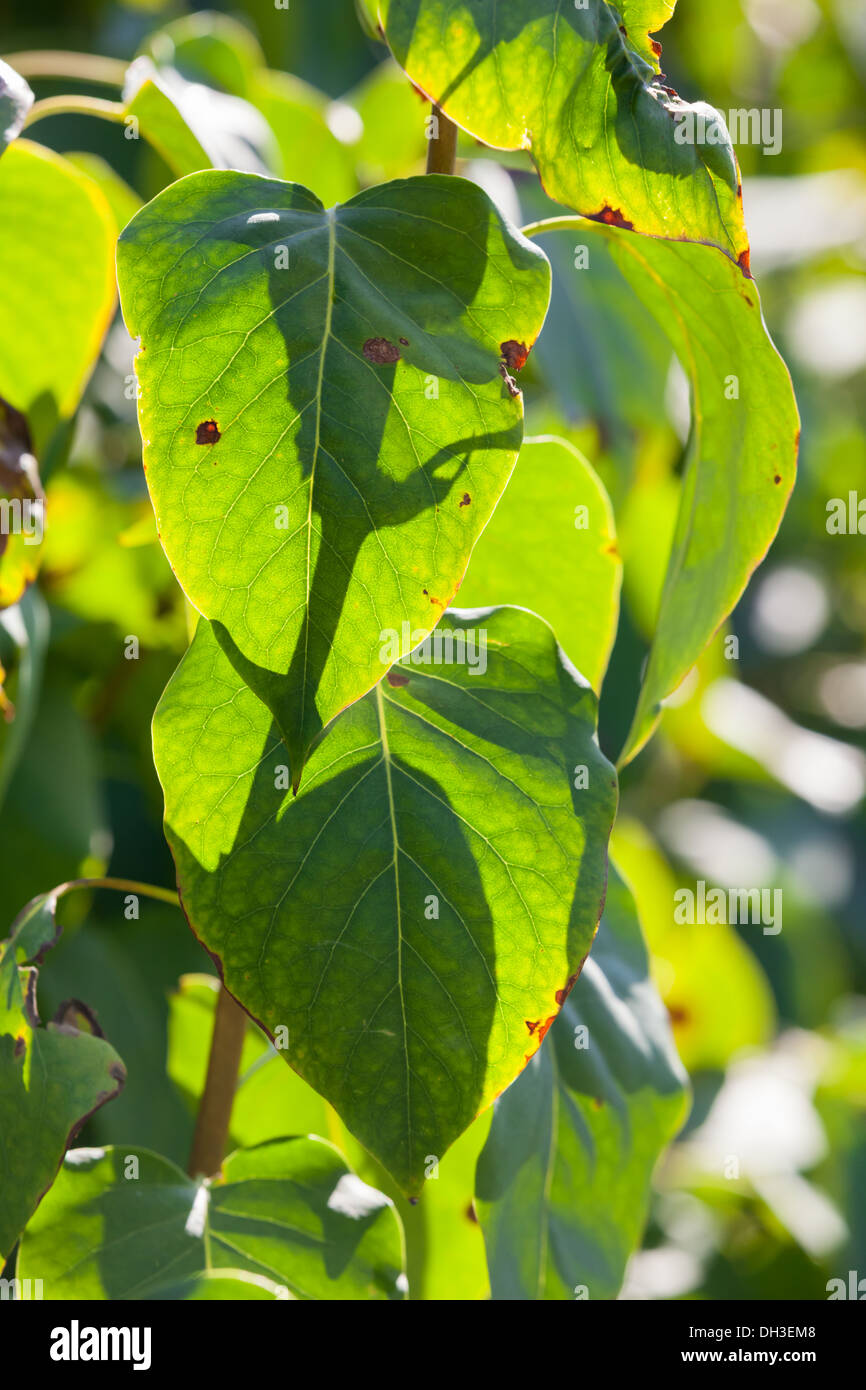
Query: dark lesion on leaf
(208, 432)
(397, 678)
(381, 351)
(612, 217)
(465, 500)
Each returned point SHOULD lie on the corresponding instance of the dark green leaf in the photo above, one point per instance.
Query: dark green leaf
(127, 1224)
(563, 1179)
(51, 1076)
(414, 915)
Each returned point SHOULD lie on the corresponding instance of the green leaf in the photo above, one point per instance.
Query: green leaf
(392, 144)
(52, 1077)
(565, 82)
(308, 152)
(212, 49)
(16, 100)
(444, 791)
(195, 127)
(124, 1223)
(221, 1286)
(573, 577)
(643, 18)
(742, 455)
(356, 426)
(122, 200)
(51, 215)
(563, 1181)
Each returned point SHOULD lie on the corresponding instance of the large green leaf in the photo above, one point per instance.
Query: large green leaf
(16, 99)
(573, 85)
(123, 1223)
(57, 237)
(324, 442)
(52, 1077)
(573, 577)
(415, 915)
(563, 1179)
(742, 455)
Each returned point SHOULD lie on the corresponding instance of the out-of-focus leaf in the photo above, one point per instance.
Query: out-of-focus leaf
(570, 84)
(715, 992)
(209, 48)
(24, 632)
(52, 1077)
(125, 1223)
(16, 99)
(195, 127)
(308, 150)
(124, 203)
(564, 1176)
(551, 546)
(343, 372)
(223, 1286)
(460, 872)
(393, 142)
(57, 238)
(130, 587)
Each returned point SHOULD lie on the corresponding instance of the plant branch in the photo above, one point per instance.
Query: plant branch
(124, 885)
(74, 106)
(215, 1106)
(553, 224)
(80, 67)
(442, 151)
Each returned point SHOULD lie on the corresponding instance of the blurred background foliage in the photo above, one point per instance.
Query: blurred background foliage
(757, 775)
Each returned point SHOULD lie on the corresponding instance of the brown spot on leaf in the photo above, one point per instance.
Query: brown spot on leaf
(208, 432)
(397, 678)
(562, 994)
(465, 500)
(678, 1014)
(514, 354)
(777, 479)
(745, 264)
(656, 47)
(531, 1024)
(72, 1014)
(405, 342)
(612, 217)
(380, 351)
(20, 1048)
(472, 1213)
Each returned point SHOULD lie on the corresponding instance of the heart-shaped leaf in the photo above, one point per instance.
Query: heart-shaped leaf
(52, 1077)
(127, 1224)
(407, 927)
(562, 1181)
(573, 84)
(326, 422)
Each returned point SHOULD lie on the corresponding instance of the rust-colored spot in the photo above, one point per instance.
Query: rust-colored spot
(612, 217)
(208, 432)
(656, 47)
(465, 500)
(397, 678)
(405, 342)
(777, 479)
(380, 351)
(531, 1024)
(745, 263)
(472, 1213)
(562, 994)
(678, 1014)
(514, 354)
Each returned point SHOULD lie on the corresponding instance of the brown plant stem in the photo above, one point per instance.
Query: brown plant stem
(215, 1107)
(442, 152)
